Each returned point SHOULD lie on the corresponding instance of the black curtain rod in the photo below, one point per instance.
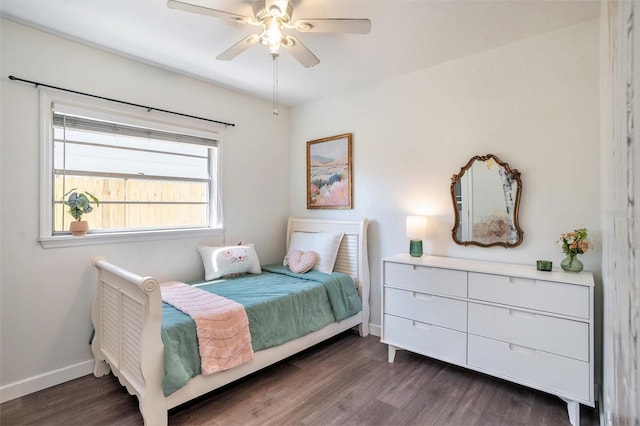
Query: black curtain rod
(148, 108)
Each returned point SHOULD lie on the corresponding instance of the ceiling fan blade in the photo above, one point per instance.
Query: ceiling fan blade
(188, 7)
(238, 48)
(300, 52)
(334, 25)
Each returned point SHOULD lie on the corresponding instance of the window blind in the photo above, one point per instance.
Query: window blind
(92, 125)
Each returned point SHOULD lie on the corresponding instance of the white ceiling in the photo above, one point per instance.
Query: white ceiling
(406, 35)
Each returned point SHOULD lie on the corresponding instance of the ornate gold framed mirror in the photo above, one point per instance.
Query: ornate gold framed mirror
(486, 197)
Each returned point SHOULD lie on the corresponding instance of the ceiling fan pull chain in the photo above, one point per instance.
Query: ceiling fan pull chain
(275, 84)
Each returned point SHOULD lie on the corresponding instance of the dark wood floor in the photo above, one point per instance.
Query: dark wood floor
(346, 381)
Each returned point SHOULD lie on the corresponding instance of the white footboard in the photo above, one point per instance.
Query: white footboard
(127, 317)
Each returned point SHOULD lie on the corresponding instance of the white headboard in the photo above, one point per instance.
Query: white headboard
(352, 257)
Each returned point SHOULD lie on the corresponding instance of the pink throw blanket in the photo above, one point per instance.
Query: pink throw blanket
(222, 325)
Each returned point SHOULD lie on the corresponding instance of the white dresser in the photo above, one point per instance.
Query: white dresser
(510, 321)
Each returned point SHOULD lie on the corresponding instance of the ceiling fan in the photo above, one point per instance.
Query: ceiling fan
(274, 16)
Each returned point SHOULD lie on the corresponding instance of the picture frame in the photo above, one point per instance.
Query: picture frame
(329, 173)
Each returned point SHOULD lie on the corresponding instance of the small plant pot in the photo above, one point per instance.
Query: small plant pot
(79, 228)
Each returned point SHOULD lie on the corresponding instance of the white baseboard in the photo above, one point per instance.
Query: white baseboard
(375, 330)
(43, 381)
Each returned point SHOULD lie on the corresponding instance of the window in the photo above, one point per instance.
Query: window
(151, 176)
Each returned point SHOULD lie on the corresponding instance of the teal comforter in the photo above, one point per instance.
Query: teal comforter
(281, 306)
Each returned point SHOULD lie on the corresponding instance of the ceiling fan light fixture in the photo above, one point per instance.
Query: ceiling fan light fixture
(273, 16)
(272, 32)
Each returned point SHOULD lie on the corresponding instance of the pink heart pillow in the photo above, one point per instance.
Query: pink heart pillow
(301, 261)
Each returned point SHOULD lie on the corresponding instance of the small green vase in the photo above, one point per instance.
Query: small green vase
(572, 264)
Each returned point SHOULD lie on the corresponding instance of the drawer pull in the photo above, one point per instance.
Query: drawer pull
(521, 349)
(420, 267)
(422, 296)
(521, 314)
(516, 280)
(421, 325)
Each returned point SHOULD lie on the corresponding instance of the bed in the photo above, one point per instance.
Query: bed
(127, 316)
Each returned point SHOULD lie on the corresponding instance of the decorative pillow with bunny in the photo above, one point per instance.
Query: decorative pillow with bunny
(229, 260)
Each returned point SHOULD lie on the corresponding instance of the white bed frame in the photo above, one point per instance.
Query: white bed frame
(127, 317)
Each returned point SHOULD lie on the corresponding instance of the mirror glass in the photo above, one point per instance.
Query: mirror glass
(486, 196)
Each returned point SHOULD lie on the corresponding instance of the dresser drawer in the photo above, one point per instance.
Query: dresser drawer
(437, 342)
(549, 296)
(436, 310)
(554, 373)
(556, 335)
(426, 279)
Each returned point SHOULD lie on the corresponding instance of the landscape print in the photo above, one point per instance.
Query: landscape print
(329, 172)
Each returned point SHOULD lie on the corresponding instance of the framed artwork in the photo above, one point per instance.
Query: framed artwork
(329, 174)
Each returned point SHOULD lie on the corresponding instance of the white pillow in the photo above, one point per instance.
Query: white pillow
(326, 244)
(229, 260)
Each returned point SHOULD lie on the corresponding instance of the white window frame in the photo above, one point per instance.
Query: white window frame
(159, 120)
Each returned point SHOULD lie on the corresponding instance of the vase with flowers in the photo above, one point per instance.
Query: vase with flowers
(574, 243)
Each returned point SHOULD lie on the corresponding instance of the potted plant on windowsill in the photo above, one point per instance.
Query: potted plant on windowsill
(79, 203)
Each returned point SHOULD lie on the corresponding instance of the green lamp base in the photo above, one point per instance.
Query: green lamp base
(415, 248)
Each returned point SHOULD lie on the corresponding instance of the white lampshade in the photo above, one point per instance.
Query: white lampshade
(416, 227)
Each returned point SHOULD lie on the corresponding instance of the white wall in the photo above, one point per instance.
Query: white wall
(533, 103)
(46, 294)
